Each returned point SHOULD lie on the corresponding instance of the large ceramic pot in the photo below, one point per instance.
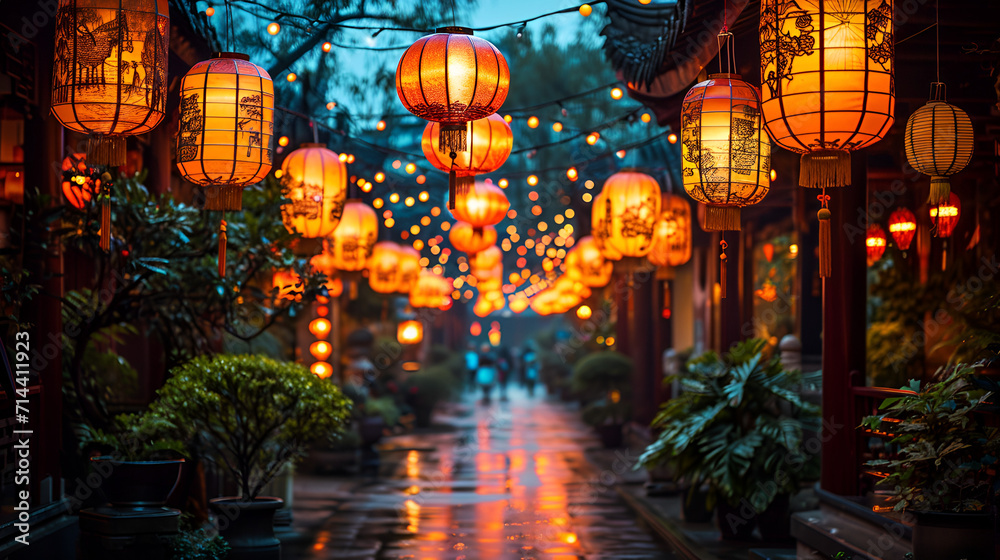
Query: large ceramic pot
(775, 522)
(137, 484)
(952, 536)
(695, 506)
(611, 435)
(248, 527)
(736, 523)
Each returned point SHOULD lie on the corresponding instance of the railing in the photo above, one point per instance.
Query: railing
(872, 444)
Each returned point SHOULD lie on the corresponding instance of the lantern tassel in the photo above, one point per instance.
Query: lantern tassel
(825, 168)
(222, 248)
(940, 190)
(225, 197)
(105, 242)
(944, 256)
(825, 240)
(722, 269)
(452, 182)
(453, 138)
(107, 150)
(722, 218)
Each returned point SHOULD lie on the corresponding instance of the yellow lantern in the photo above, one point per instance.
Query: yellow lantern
(383, 267)
(409, 269)
(494, 336)
(410, 332)
(320, 328)
(431, 290)
(939, 141)
(321, 370)
(726, 154)
(585, 263)
(631, 206)
(485, 262)
(352, 242)
(315, 183)
(599, 223)
(109, 79)
(672, 236)
(469, 239)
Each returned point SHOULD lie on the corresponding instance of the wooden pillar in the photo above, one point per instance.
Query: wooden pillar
(844, 296)
(643, 345)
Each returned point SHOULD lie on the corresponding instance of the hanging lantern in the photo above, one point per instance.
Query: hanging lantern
(225, 131)
(109, 79)
(468, 239)
(383, 267)
(631, 206)
(315, 183)
(726, 153)
(452, 78)
(518, 303)
(324, 263)
(320, 350)
(490, 143)
(410, 332)
(875, 243)
(939, 141)
(585, 263)
(599, 221)
(483, 205)
(289, 285)
(827, 81)
(80, 183)
(351, 243)
(483, 264)
(409, 269)
(672, 235)
(431, 290)
(902, 227)
(945, 216)
(320, 328)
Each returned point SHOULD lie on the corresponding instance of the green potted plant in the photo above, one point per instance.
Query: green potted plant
(737, 426)
(426, 388)
(254, 416)
(198, 544)
(603, 379)
(941, 473)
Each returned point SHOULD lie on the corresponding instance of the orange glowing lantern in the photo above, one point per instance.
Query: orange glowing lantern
(726, 153)
(483, 205)
(410, 332)
(483, 264)
(383, 267)
(80, 183)
(352, 242)
(324, 263)
(452, 78)
(902, 227)
(945, 216)
(939, 141)
(469, 239)
(288, 283)
(599, 228)
(672, 236)
(490, 143)
(631, 206)
(584, 312)
(320, 350)
(875, 243)
(109, 79)
(315, 183)
(431, 290)
(225, 132)
(321, 370)
(409, 269)
(320, 328)
(475, 329)
(585, 263)
(494, 336)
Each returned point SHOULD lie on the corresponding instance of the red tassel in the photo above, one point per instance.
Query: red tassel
(944, 256)
(222, 248)
(722, 270)
(825, 238)
(105, 212)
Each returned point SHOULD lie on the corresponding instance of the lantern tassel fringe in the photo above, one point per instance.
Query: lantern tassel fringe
(940, 191)
(222, 248)
(825, 168)
(453, 137)
(106, 223)
(226, 197)
(107, 150)
(722, 218)
(825, 250)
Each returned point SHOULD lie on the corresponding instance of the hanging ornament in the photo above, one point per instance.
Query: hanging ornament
(875, 243)
(315, 183)
(468, 239)
(109, 79)
(902, 227)
(722, 268)
(383, 267)
(452, 78)
(939, 141)
(225, 132)
(490, 143)
(483, 205)
(352, 242)
(945, 217)
(631, 206)
(672, 234)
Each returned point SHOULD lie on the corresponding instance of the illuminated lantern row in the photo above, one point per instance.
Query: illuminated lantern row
(490, 143)
(315, 183)
(875, 243)
(109, 79)
(902, 227)
(945, 216)
(352, 242)
(468, 239)
(726, 161)
(939, 141)
(599, 221)
(80, 183)
(225, 131)
(672, 236)
(452, 78)
(586, 264)
(630, 204)
(485, 204)
(383, 267)
(431, 290)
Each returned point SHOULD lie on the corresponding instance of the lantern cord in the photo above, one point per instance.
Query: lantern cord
(452, 179)
(222, 246)
(937, 38)
(106, 212)
(312, 125)
(825, 238)
(722, 266)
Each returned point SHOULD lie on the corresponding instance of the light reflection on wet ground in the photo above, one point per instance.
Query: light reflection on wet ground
(510, 481)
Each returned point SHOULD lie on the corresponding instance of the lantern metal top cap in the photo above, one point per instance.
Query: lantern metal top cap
(235, 55)
(312, 145)
(454, 30)
(725, 75)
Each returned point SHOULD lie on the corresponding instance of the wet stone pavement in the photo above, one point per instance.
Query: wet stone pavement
(506, 481)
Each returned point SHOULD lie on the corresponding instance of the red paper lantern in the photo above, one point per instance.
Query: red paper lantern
(902, 227)
(490, 143)
(469, 239)
(875, 243)
(484, 205)
(945, 216)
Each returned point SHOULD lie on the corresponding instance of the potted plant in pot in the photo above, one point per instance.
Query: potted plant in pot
(942, 472)
(603, 380)
(737, 426)
(254, 416)
(425, 389)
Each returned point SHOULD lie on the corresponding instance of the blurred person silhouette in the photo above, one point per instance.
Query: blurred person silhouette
(486, 373)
